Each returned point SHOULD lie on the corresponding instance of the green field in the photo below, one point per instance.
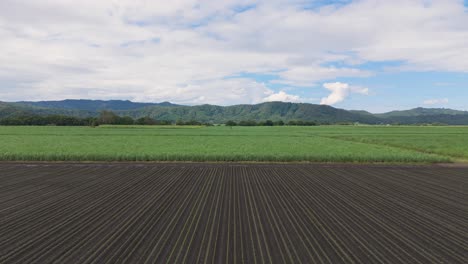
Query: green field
(173, 143)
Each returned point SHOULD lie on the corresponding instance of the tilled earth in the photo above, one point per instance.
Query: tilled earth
(232, 213)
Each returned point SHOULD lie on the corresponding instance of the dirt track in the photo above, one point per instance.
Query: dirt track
(232, 213)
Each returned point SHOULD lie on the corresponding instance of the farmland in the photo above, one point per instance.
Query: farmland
(232, 213)
(279, 144)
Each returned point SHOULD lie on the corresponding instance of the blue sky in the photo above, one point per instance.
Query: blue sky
(374, 55)
(390, 89)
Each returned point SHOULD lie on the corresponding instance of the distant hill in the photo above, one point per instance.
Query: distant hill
(220, 114)
(271, 110)
(447, 119)
(21, 109)
(9, 110)
(422, 112)
(93, 105)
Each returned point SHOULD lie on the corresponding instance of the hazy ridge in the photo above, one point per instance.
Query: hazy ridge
(219, 114)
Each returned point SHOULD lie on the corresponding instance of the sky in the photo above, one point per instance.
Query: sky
(374, 55)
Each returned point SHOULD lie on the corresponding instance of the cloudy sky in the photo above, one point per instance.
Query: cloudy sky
(376, 55)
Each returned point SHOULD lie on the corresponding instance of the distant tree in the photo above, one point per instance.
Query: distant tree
(279, 123)
(94, 123)
(268, 123)
(231, 123)
(310, 123)
(301, 123)
(193, 123)
(164, 122)
(107, 117)
(51, 120)
(90, 121)
(125, 120)
(247, 123)
(145, 121)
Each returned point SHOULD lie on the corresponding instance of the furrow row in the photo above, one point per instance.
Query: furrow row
(232, 213)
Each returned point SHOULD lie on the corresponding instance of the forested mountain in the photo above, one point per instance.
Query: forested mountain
(263, 111)
(220, 114)
(21, 109)
(422, 112)
(94, 105)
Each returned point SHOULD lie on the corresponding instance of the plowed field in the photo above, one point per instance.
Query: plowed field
(232, 213)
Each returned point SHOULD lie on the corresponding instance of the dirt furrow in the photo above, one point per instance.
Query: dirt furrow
(232, 213)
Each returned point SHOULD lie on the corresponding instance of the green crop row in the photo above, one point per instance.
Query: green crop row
(279, 144)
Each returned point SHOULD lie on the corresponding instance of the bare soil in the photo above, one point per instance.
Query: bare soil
(232, 213)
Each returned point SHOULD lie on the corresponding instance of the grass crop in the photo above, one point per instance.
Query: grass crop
(281, 144)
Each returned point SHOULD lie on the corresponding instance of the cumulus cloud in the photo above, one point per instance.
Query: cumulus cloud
(188, 50)
(307, 76)
(436, 101)
(282, 96)
(339, 91)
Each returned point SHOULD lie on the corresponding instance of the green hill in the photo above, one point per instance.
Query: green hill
(93, 105)
(271, 110)
(220, 114)
(422, 112)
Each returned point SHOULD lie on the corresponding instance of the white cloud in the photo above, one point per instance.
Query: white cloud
(188, 50)
(307, 76)
(436, 101)
(282, 96)
(339, 91)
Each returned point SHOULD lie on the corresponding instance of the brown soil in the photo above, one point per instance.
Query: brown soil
(232, 213)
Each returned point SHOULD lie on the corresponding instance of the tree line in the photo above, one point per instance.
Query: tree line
(104, 118)
(57, 120)
(232, 123)
(110, 118)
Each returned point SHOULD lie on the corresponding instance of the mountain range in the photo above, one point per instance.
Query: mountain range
(220, 114)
